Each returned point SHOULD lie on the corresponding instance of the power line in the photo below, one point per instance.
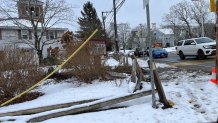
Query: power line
(110, 14)
(120, 5)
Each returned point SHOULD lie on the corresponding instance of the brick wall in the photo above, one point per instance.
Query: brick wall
(23, 11)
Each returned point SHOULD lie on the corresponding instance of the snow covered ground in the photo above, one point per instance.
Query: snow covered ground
(170, 49)
(195, 98)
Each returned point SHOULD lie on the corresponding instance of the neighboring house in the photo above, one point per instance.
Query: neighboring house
(164, 36)
(12, 34)
(99, 47)
(17, 32)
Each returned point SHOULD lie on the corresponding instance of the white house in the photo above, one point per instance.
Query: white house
(164, 36)
(11, 34)
(17, 32)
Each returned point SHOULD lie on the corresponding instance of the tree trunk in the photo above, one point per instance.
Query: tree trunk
(189, 29)
(40, 57)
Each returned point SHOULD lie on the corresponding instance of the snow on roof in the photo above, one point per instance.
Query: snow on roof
(22, 23)
(32, 1)
(167, 31)
(24, 46)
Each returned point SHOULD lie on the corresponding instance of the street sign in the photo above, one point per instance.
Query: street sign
(213, 5)
(145, 2)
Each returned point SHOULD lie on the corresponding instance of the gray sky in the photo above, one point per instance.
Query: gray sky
(131, 12)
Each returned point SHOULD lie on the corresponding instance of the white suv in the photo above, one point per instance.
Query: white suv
(200, 47)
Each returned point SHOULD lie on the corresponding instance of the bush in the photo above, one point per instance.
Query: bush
(51, 61)
(84, 66)
(18, 72)
(124, 69)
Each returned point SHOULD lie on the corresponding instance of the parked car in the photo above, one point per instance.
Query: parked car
(199, 47)
(139, 52)
(159, 53)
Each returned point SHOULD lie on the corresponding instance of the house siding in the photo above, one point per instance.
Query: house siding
(10, 37)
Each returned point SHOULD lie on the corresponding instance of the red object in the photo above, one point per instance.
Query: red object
(213, 79)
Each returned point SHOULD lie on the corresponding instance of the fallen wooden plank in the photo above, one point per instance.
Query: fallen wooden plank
(91, 106)
(97, 110)
(44, 108)
(117, 75)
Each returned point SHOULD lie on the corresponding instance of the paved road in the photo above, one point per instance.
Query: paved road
(191, 63)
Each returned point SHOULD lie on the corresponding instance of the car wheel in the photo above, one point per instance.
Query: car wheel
(201, 55)
(166, 56)
(181, 55)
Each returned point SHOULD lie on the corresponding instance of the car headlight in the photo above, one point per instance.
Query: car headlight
(207, 47)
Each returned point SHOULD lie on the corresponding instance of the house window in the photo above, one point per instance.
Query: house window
(51, 35)
(19, 34)
(33, 11)
(27, 10)
(37, 12)
(24, 34)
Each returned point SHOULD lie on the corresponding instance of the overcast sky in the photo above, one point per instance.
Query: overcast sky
(131, 12)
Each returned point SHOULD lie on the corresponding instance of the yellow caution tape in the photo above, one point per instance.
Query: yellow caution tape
(55, 70)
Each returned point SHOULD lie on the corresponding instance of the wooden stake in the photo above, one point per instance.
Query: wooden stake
(160, 89)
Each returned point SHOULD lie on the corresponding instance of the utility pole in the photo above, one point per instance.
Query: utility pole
(115, 26)
(146, 4)
(216, 14)
(103, 20)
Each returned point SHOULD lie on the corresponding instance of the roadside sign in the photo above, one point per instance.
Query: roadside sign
(145, 2)
(213, 5)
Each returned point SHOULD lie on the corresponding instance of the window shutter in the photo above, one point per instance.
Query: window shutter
(56, 34)
(47, 37)
(0, 34)
(30, 34)
(19, 34)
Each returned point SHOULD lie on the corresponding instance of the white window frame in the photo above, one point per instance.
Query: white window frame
(25, 34)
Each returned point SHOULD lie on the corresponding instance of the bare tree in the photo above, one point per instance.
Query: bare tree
(184, 16)
(171, 21)
(210, 30)
(51, 13)
(123, 32)
(140, 35)
(182, 12)
(200, 12)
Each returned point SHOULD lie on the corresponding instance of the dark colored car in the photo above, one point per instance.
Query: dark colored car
(139, 52)
(159, 53)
